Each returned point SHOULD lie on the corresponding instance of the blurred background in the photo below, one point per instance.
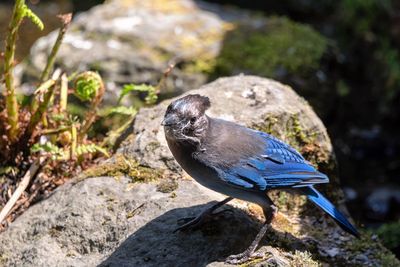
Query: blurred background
(341, 56)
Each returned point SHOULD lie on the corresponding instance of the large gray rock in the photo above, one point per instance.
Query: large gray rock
(114, 222)
(133, 41)
(101, 221)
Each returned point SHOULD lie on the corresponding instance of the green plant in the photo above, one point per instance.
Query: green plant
(19, 13)
(43, 129)
(43, 126)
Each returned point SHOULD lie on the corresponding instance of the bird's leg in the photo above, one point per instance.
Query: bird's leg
(250, 251)
(193, 222)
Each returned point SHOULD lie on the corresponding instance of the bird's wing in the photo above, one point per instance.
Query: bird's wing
(259, 173)
(276, 165)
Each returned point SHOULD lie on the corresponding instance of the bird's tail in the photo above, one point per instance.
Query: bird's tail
(329, 208)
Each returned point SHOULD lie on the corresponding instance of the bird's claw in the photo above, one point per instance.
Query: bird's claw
(182, 221)
(194, 222)
(189, 223)
(243, 257)
(223, 211)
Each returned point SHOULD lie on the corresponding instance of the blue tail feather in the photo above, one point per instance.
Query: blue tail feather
(329, 208)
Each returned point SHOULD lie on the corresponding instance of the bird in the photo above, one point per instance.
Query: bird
(240, 163)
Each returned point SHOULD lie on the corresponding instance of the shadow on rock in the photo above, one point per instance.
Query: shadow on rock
(155, 244)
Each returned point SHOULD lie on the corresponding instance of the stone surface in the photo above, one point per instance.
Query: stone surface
(109, 221)
(101, 221)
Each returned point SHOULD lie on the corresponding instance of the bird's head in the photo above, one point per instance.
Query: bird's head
(185, 119)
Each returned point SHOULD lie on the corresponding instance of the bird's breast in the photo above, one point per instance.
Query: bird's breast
(203, 174)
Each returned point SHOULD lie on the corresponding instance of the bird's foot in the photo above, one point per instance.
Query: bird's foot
(190, 223)
(271, 256)
(243, 257)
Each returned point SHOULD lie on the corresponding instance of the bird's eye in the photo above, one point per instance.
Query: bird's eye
(193, 120)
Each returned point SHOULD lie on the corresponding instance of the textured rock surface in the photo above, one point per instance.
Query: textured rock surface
(101, 220)
(112, 222)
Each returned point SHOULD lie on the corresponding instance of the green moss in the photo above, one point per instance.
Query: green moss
(390, 234)
(3, 259)
(281, 46)
(167, 186)
(298, 135)
(304, 140)
(303, 258)
(286, 202)
(269, 125)
(366, 244)
(200, 66)
(152, 146)
(122, 166)
(388, 260)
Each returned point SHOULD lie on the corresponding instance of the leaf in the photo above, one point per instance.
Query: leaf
(91, 148)
(86, 85)
(33, 17)
(48, 147)
(129, 111)
(151, 97)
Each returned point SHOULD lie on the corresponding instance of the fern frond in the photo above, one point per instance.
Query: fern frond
(33, 17)
(48, 147)
(151, 97)
(129, 111)
(91, 148)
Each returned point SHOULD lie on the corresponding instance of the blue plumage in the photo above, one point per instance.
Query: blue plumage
(329, 208)
(240, 162)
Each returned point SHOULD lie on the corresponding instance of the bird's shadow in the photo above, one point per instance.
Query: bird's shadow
(155, 244)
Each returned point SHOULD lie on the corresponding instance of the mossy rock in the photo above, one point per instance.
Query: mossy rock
(389, 233)
(119, 166)
(277, 48)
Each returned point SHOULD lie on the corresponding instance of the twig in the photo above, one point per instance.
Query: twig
(163, 79)
(66, 21)
(21, 187)
(72, 154)
(64, 93)
(45, 91)
(25, 201)
(55, 131)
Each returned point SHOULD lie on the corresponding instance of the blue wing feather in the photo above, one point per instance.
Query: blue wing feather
(280, 166)
(329, 208)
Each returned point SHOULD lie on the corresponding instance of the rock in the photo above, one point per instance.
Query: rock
(100, 220)
(133, 41)
(120, 221)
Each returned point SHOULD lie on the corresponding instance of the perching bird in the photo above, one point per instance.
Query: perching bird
(239, 162)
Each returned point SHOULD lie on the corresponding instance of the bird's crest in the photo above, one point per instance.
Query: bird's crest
(199, 102)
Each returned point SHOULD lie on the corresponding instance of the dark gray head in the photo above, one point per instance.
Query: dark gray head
(185, 119)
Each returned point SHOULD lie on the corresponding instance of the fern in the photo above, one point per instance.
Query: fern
(48, 147)
(122, 110)
(91, 148)
(28, 13)
(87, 85)
(151, 97)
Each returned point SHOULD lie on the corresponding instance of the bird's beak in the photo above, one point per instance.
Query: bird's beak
(169, 120)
